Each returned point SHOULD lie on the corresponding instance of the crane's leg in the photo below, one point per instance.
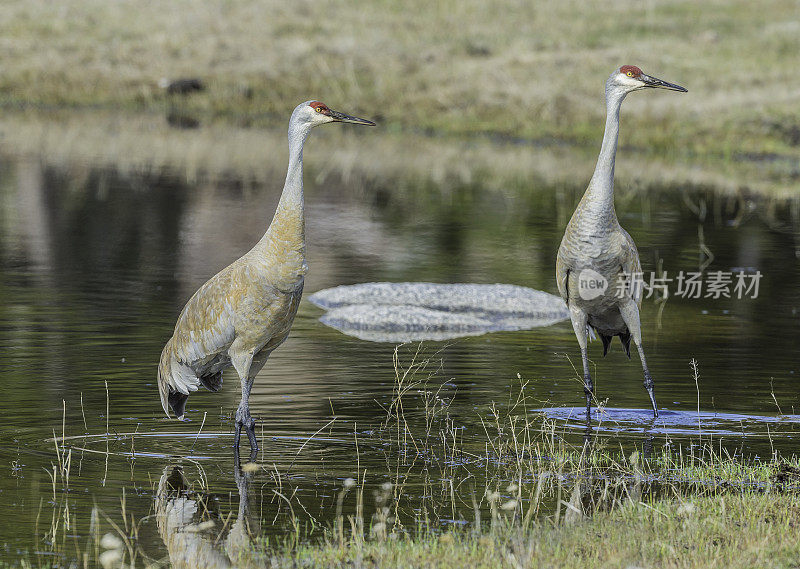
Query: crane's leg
(579, 322)
(243, 418)
(630, 314)
(242, 361)
(247, 366)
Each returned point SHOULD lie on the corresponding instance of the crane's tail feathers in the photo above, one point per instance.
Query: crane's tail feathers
(606, 343)
(175, 382)
(177, 401)
(626, 343)
(624, 337)
(163, 387)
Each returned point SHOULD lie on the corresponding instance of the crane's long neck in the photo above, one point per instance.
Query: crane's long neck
(287, 230)
(599, 195)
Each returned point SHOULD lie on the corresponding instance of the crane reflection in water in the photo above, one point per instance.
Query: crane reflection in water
(192, 535)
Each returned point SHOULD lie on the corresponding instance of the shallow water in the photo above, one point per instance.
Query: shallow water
(675, 423)
(96, 267)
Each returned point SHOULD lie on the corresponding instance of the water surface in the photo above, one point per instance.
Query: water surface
(96, 267)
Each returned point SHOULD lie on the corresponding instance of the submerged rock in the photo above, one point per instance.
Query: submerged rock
(404, 312)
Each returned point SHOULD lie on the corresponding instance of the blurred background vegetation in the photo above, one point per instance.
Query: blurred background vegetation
(513, 72)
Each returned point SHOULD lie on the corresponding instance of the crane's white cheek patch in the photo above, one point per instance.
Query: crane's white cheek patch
(591, 284)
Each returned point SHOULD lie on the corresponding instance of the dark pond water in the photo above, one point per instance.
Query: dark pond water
(95, 266)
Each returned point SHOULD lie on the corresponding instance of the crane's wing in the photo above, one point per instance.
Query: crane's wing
(204, 332)
(205, 327)
(631, 266)
(562, 278)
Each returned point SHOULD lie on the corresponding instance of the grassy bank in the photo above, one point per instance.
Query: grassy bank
(680, 509)
(751, 530)
(515, 69)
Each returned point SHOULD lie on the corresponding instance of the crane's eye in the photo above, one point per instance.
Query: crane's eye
(629, 74)
(318, 109)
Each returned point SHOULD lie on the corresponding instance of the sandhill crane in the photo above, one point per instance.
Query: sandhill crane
(597, 257)
(246, 310)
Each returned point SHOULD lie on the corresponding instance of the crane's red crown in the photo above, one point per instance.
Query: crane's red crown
(320, 107)
(630, 70)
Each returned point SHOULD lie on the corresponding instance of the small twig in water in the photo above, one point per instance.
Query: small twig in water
(775, 399)
(696, 373)
(325, 426)
(105, 472)
(197, 436)
(85, 427)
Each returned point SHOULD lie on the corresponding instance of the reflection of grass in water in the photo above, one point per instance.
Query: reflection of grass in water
(519, 492)
(405, 163)
(514, 441)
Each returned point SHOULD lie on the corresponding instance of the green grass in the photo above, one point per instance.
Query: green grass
(747, 530)
(752, 529)
(556, 503)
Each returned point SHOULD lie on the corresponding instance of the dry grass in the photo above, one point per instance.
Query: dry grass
(510, 67)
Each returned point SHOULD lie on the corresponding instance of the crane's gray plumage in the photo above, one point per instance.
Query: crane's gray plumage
(596, 248)
(246, 310)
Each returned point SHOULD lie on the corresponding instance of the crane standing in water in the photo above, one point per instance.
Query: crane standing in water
(596, 255)
(246, 310)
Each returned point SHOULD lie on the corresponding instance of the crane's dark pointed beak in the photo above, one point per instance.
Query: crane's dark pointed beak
(660, 84)
(341, 117)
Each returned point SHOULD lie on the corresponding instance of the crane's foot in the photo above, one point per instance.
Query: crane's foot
(251, 436)
(249, 425)
(648, 385)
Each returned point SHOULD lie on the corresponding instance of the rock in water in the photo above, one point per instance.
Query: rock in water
(404, 312)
